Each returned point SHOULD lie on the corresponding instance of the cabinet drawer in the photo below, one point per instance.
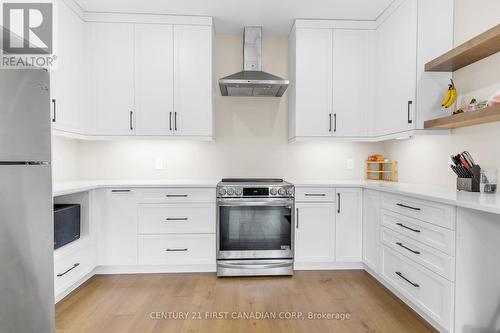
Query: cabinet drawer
(178, 194)
(439, 238)
(428, 211)
(427, 290)
(314, 194)
(176, 249)
(72, 267)
(427, 256)
(176, 218)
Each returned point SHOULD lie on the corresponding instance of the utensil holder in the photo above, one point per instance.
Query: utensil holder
(470, 184)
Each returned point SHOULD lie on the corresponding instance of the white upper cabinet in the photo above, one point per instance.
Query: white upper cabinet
(193, 80)
(395, 75)
(331, 74)
(349, 224)
(352, 81)
(313, 82)
(154, 79)
(68, 77)
(111, 97)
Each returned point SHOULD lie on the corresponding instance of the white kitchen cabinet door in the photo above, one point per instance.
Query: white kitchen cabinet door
(154, 79)
(315, 232)
(111, 59)
(193, 80)
(313, 82)
(348, 221)
(117, 237)
(352, 81)
(371, 229)
(395, 70)
(67, 77)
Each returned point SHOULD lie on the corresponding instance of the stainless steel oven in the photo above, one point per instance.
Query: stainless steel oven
(255, 227)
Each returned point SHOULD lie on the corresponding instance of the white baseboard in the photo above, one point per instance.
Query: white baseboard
(307, 266)
(145, 269)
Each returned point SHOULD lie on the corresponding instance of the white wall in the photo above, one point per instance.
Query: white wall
(251, 138)
(425, 159)
(64, 159)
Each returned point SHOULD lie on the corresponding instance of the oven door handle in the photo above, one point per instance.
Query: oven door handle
(254, 265)
(225, 203)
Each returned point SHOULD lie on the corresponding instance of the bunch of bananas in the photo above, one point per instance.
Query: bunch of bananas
(450, 97)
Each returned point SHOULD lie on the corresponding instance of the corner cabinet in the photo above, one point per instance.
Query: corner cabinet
(349, 224)
(365, 80)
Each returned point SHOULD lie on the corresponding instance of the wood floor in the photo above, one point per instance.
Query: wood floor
(127, 303)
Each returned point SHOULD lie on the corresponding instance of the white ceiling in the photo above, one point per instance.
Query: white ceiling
(276, 16)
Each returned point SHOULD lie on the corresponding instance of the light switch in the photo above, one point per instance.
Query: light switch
(159, 164)
(350, 163)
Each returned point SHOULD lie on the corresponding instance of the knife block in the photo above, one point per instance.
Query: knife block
(470, 184)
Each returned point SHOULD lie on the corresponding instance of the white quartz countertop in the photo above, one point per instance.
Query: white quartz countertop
(479, 201)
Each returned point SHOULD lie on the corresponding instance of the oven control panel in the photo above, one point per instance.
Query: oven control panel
(285, 191)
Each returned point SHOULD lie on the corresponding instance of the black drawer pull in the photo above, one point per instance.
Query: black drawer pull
(407, 248)
(409, 207)
(416, 285)
(176, 195)
(315, 195)
(120, 191)
(176, 219)
(69, 270)
(176, 250)
(403, 226)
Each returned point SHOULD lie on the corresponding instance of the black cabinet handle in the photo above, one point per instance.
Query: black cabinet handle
(131, 120)
(54, 114)
(120, 191)
(405, 206)
(170, 120)
(407, 248)
(176, 195)
(330, 122)
(69, 270)
(315, 194)
(176, 219)
(176, 250)
(297, 226)
(416, 285)
(409, 106)
(335, 122)
(175, 121)
(338, 209)
(403, 226)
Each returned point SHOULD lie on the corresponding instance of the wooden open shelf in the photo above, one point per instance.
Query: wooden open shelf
(473, 50)
(486, 115)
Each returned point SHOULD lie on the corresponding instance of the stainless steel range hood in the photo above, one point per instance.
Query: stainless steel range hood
(252, 81)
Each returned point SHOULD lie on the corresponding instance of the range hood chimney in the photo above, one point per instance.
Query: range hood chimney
(252, 81)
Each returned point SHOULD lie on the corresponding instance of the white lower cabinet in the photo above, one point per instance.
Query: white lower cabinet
(71, 267)
(371, 227)
(315, 232)
(117, 227)
(349, 225)
(181, 249)
(432, 293)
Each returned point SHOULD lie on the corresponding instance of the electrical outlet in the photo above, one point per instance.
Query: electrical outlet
(159, 164)
(350, 163)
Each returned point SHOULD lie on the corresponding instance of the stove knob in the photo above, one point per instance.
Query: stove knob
(290, 191)
(274, 191)
(282, 191)
(222, 191)
(230, 191)
(239, 191)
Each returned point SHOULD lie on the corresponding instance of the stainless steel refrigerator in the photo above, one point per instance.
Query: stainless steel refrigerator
(26, 226)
